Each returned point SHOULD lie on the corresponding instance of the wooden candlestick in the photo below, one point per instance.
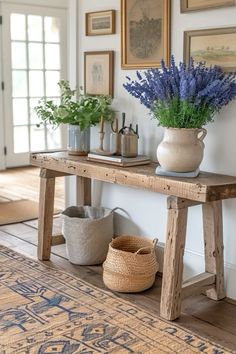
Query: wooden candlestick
(101, 150)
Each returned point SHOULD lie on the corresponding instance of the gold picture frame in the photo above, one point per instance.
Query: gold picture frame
(215, 46)
(197, 5)
(100, 23)
(145, 33)
(99, 73)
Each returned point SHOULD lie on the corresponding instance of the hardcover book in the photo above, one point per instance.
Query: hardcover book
(119, 160)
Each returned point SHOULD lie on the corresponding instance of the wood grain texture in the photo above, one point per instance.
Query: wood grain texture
(83, 190)
(198, 284)
(214, 247)
(173, 264)
(45, 173)
(180, 203)
(46, 206)
(205, 187)
(185, 192)
(23, 183)
(57, 224)
(57, 240)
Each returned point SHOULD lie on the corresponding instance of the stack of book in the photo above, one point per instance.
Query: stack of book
(119, 160)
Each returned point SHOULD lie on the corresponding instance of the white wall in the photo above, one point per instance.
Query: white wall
(147, 211)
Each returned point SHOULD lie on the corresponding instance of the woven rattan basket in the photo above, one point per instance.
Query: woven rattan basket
(130, 265)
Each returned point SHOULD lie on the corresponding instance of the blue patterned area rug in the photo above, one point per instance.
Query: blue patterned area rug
(44, 310)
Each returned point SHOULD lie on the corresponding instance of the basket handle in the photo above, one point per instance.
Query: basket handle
(154, 241)
(151, 248)
(143, 248)
(118, 208)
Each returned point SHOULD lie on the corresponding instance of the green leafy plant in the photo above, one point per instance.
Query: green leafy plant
(83, 110)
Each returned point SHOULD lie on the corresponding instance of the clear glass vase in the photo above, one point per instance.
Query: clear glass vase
(78, 141)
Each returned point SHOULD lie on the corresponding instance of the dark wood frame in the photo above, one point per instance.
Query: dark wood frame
(185, 7)
(110, 69)
(88, 31)
(166, 38)
(206, 32)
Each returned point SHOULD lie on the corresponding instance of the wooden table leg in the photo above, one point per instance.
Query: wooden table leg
(46, 205)
(214, 248)
(83, 190)
(173, 261)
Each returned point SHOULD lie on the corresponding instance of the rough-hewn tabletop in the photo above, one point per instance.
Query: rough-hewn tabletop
(206, 187)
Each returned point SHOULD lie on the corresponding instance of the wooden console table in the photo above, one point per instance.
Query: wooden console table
(207, 189)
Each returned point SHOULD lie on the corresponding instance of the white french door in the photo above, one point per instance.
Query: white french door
(34, 60)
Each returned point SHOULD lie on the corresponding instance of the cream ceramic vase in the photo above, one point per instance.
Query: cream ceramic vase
(181, 150)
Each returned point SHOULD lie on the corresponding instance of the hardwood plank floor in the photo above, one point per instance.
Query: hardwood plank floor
(23, 182)
(214, 320)
(208, 318)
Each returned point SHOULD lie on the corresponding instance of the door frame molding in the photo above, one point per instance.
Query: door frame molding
(6, 8)
(2, 128)
(70, 6)
(73, 64)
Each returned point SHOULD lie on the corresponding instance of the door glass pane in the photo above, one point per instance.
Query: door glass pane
(52, 56)
(18, 27)
(18, 55)
(21, 139)
(51, 27)
(20, 111)
(34, 119)
(52, 79)
(33, 116)
(19, 83)
(36, 70)
(35, 28)
(35, 56)
(53, 137)
(36, 83)
(37, 138)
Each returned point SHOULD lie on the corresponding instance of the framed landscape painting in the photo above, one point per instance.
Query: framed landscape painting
(212, 46)
(98, 73)
(194, 5)
(145, 32)
(100, 23)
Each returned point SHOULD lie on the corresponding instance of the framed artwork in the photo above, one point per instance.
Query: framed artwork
(99, 73)
(145, 33)
(100, 22)
(195, 5)
(213, 46)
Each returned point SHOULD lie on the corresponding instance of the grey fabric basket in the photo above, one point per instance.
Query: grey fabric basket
(88, 231)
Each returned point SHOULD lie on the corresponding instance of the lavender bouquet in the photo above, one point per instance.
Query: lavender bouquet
(184, 96)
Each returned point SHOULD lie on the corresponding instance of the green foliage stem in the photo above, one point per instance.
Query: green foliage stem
(84, 111)
(181, 114)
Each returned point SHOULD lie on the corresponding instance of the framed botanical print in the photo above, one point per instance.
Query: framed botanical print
(98, 73)
(195, 5)
(213, 46)
(145, 33)
(100, 23)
